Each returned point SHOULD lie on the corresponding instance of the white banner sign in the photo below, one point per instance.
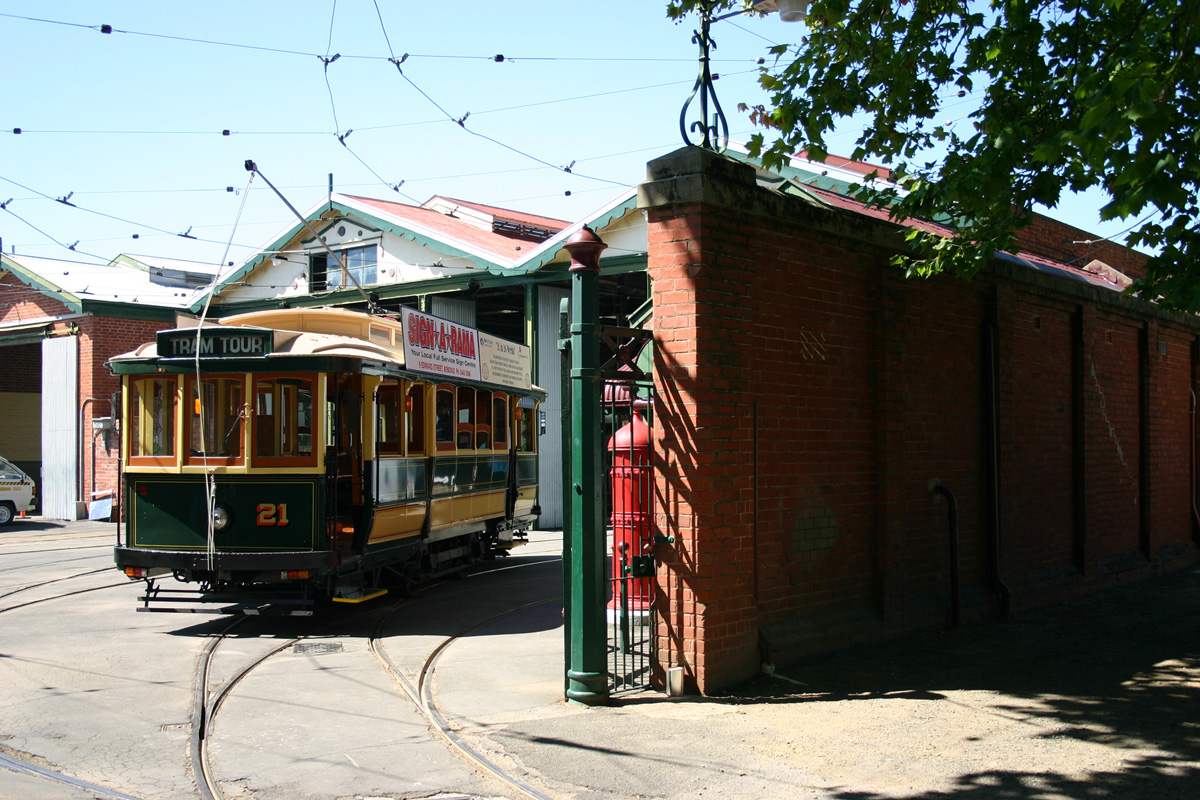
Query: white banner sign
(439, 346)
(504, 362)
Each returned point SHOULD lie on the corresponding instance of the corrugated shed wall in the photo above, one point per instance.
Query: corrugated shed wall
(460, 311)
(60, 434)
(549, 377)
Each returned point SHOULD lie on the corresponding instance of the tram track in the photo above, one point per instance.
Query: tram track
(62, 596)
(28, 768)
(54, 580)
(417, 691)
(421, 696)
(207, 705)
(105, 548)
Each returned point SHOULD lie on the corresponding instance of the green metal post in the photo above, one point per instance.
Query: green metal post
(587, 674)
(564, 349)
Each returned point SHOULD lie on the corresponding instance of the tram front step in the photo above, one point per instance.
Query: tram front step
(247, 603)
(357, 594)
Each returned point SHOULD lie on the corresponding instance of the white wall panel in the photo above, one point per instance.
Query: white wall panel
(60, 424)
(549, 377)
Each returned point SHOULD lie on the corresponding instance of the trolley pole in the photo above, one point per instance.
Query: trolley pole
(587, 672)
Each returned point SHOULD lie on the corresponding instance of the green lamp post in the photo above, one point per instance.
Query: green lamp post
(587, 674)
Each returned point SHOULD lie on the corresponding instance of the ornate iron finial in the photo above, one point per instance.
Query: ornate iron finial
(714, 136)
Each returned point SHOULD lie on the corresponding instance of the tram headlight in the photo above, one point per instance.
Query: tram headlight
(222, 518)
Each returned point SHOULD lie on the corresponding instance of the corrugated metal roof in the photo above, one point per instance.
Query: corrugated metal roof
(1094, 273)
(118, 282)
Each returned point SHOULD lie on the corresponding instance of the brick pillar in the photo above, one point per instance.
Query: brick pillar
(700, 253)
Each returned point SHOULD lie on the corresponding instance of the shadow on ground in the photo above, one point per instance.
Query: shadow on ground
(1119, 668)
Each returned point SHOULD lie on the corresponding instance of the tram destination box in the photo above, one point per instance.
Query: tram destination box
(215, 343)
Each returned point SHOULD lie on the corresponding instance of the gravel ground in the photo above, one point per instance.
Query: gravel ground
(1094, 698)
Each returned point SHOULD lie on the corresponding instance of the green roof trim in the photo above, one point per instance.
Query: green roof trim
(597, 223)
(374, 221)
(41, 284)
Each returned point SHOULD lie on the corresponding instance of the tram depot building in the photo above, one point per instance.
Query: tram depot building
(840, 454)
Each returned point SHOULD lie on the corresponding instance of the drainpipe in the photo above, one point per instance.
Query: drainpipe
(1195, 511)
(79, 461)
(936, 487)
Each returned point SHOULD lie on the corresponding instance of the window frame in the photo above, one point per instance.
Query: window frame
(199, 459)
(137, 417)
(332, 267)
(301, 460)
(441, 444)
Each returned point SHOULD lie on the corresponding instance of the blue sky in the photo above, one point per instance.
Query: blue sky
(128, 125)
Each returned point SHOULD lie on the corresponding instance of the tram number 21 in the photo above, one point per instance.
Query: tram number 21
(272, 515)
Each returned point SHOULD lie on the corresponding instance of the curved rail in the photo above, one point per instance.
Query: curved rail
(205, 706)
(55, 580)
(421, 696)
(17, 765)
(63, 595)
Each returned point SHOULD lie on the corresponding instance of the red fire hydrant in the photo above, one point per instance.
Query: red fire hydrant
(632, 479)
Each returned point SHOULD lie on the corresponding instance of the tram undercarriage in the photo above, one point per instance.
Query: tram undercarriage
(297, 584)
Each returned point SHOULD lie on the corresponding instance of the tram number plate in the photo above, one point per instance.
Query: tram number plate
(272, 515)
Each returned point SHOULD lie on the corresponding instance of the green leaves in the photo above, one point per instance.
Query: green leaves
(1060, 96)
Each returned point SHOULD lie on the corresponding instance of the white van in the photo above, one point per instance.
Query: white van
(16, 492)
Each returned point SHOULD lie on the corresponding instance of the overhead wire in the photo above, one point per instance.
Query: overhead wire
(102, 214)
(461, 121)
(71, 247)
(108, 29)
(327, 59)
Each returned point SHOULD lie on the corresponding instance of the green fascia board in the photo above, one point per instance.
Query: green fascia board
(618, 265)
(375, 221)
(36, 281)
(598, 223)
(798, 175)
(795, 179)
(140, 311)
(181, 366)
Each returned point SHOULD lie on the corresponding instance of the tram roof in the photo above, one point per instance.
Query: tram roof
(321, 339)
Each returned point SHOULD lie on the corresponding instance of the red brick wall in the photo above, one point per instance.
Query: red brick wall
(20, 303)
(101, 338)
(22, 368)
(1036, 447)
(1052, 239)
(808, 394)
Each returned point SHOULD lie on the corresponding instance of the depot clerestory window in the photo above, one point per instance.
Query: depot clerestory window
(329, 275)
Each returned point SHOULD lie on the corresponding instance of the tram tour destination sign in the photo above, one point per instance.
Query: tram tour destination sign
(215, 343)
(442, 347)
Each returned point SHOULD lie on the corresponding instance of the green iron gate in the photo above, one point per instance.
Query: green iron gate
(628, 419)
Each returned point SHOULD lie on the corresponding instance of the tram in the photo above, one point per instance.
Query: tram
(275, 460)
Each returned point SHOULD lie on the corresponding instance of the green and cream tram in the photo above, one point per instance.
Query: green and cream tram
(274, 459)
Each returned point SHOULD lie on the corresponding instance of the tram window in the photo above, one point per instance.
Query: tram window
(389, 418)
(216, 416)
(499, 422)
(283, 417)
(414, 416)
(526, 432)
(483, 420)
(152, 418)
(445, 419)
(466, 417)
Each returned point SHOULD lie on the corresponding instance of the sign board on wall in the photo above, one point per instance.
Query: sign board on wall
(442, 347)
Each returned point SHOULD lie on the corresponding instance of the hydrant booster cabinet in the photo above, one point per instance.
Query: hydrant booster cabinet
(632, 557)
